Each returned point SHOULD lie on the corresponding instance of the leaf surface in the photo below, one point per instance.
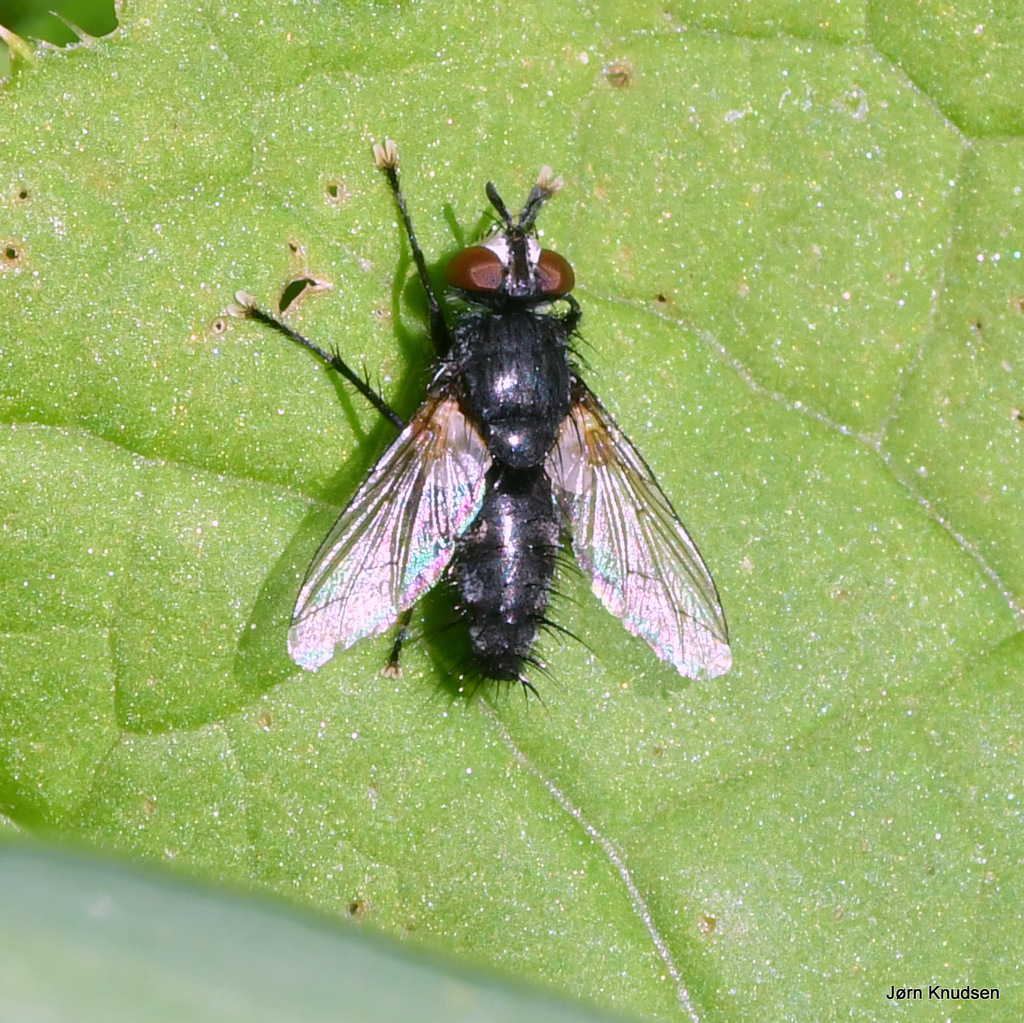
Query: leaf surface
(801, 277)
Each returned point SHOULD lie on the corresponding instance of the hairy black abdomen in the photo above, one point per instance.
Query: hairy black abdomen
(503, 567)
(514, 364)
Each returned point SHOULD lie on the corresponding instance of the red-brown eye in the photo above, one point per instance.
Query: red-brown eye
(554, 274)
(475, 269)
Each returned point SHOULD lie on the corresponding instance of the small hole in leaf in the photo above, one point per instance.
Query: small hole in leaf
(11, 255)
(706, 923)
(357, 909)
(336, 191)
(219, 326)
(291, 294)
(22, 194)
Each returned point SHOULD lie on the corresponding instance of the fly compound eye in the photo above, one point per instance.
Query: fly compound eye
(476, 269)
(555, 276)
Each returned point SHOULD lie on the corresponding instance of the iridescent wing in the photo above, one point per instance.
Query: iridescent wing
(396, 536)
(626, 537)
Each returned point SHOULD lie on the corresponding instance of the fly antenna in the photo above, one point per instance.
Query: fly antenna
(498, 204)
(547, 185)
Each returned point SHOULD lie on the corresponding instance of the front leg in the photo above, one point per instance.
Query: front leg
(247, 309)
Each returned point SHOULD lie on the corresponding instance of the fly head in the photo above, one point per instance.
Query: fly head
(510, 267)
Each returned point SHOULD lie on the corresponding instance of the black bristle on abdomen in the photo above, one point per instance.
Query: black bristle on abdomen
(503, 568)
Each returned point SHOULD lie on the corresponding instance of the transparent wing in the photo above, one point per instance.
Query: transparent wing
(395, 538)
(645, 568)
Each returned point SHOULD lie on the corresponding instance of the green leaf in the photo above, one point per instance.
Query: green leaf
(132, 945)
(802, 290)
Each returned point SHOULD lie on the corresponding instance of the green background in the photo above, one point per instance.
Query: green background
(794, 228)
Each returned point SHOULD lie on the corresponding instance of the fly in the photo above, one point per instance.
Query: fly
(509, 458)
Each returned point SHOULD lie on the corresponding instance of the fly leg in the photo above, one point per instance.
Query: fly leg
(247, 309)
(386, 157)
(393, 669)
(574, 315)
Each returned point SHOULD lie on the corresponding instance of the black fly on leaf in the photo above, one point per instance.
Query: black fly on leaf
(509, 458)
